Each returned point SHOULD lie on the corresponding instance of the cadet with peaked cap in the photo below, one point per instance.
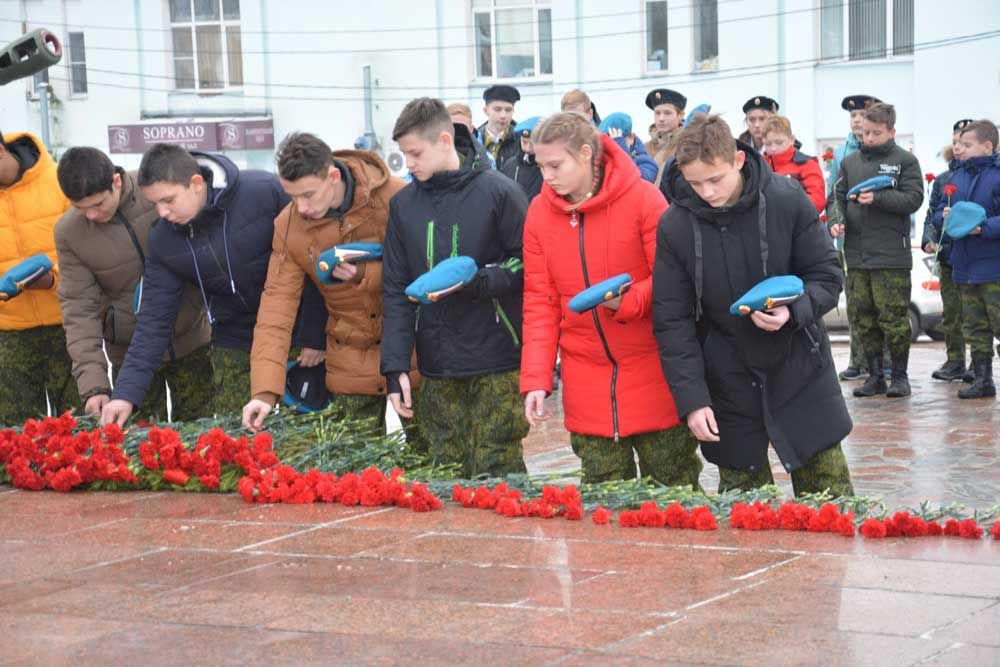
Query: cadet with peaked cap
(757, 109)
(497, 133)
(857, 366)
(935, 243)
(668, 115)
(522, 168)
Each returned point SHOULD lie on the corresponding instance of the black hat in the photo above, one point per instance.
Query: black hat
(665, 96)
(858, 102)
(501, 93)
(961, 125)
(305, 387)
(761, 102)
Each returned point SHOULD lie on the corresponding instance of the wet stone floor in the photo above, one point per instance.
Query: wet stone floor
(151, 579)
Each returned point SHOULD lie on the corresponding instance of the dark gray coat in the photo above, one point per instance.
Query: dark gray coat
(763, 387)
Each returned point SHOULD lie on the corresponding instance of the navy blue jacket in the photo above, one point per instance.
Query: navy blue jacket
(931, 233)
(224, 250)
(976, 259)
(476, 331)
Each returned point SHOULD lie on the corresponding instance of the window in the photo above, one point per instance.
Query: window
(77, 64)
(706, 35)
(874, 29)
(656, 36)
(513, 38)
(207, 45)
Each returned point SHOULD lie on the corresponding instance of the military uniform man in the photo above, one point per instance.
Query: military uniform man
(757, 109)
(497, 133)
(857, 367)
(877, 248)
(668, 115)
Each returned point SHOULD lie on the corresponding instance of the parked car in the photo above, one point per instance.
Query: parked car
(926, 310)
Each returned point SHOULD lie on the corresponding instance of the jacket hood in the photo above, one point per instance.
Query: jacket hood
(369, 173)
(449, 180)
(980, 162)
(620, 174)
(470, 152)
(29, 152)
(221, 174)
(782, 158)
(755, 174)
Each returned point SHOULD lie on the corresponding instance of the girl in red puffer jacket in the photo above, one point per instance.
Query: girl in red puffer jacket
(596, 218)
(784, 158)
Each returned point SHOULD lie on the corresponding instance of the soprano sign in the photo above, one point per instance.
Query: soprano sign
(229, 135)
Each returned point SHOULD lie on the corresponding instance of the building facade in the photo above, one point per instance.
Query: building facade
(237, 75)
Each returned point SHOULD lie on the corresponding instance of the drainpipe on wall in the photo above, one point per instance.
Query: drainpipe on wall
(140, 56)
(439, 19)
(367, 141)
(265, 45)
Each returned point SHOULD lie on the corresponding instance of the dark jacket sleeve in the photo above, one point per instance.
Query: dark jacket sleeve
(399, 314)
(647, 165)
(674, 328)
(908, 194)
(507, 275)
(931, 233)
(162, 293)
(815, 261)
(310, 325)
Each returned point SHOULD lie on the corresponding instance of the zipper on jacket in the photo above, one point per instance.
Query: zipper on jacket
(222, 269)
(502, 315)
(142, 260)
(454, 240)
(600, 330)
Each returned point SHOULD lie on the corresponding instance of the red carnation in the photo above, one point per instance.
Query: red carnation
(628, 519)
(675, 515)
(703, 519)
(970, 530)
(602, 517)
(934, 529)
(873, 529)
(828, 155)
(929, 177)
(950, 189)
(995, 531)
(574, 512)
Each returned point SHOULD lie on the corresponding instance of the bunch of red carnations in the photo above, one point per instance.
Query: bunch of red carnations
(904, 524)
(792, 516)
(555, 501)
(47, 454)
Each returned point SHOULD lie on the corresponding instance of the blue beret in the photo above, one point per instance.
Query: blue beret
(446, 278)
(700, 109)
(20, 276)
(873, 183)
(595, 295)
(767, 294)
(963, 219)
(617, 120)
(345, 252)
(526, 127)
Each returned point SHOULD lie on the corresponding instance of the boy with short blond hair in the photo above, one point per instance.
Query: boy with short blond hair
(785, 159)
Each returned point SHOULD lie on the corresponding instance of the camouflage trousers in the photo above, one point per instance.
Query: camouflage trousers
(858, 359)
(826, 470)
(34, 362)
(880, 309)
(477, 422)
(191, 389)
(668, 456)
(981, 318)
(230, 380)
(351, 407)
(951, 323)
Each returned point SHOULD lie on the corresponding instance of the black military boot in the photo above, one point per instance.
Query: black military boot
(970, 375)
(900, 385)
(982, 386)
(875, 384)
(950, 370)
(853, 373)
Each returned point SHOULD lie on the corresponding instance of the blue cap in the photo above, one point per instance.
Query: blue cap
(618, 120)
(526, 126)
(963, 219)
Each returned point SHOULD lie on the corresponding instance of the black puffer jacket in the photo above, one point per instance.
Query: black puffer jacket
(476, 331)
(778, 387)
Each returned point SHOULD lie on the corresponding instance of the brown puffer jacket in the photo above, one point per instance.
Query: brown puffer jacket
(100, 265)
(354, 327)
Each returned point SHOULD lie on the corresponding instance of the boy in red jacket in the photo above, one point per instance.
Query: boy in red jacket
(785, 159)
